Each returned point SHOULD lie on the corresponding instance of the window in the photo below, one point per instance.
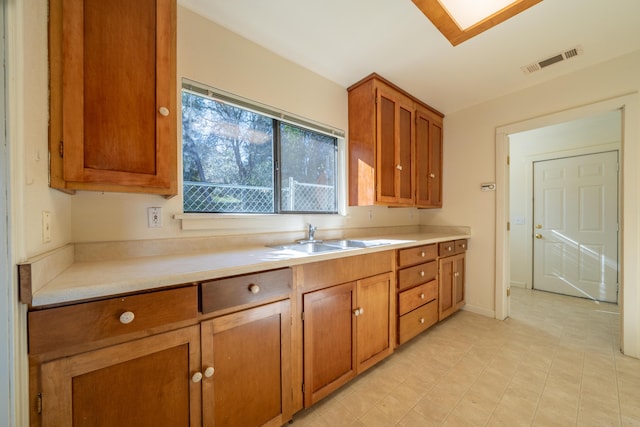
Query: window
(242, 157)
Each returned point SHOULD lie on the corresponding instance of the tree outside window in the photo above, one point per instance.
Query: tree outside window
(231, 157)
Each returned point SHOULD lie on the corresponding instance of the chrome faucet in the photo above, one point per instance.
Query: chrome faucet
(311, 235)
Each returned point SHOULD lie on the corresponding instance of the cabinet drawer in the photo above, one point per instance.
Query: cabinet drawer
(251, 289)
(460, 245)
(56, 328)
(418, 320)
(415, 297)
(446, 248)
(452, 247)
(411, 256)
(409, 277)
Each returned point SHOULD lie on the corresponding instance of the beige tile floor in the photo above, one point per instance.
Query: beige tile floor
(555, 362)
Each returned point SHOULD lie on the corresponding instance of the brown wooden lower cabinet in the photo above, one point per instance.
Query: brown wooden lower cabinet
(451, 277)
(153, 359)
(138, 383)
(249, 352)
(232, 368)
(347, 329)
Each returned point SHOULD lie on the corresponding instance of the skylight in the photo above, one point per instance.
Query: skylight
(459, 20)
(468, 13)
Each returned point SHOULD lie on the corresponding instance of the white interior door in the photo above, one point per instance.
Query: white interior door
(575, 213)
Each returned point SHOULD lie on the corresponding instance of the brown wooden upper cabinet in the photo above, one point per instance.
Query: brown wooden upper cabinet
(113, 96)
(395, 147)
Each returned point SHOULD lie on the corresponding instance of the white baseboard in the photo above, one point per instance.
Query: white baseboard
(480, 310)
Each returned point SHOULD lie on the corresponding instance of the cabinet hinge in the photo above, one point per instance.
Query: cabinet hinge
(303, 387)
(508, 292)
(508, 160)
(61, 149)
(302, 315)
(39, 403)
(508, 225)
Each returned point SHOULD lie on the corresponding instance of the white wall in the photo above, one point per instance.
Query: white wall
(469, 159)
(598, 133)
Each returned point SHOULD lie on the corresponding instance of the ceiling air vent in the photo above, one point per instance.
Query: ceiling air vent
(554, 59)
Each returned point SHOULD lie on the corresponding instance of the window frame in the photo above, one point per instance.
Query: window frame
(278, 116)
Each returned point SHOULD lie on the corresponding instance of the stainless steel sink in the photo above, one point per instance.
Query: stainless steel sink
(309, 247)
(330, 245)
(346, 244)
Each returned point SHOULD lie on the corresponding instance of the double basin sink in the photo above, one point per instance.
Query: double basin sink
(318, 246)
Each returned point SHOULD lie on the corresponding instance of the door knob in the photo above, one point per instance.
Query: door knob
(538, 236)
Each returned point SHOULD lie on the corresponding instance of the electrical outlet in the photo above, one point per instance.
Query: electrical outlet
(154, 217)
(46, 226)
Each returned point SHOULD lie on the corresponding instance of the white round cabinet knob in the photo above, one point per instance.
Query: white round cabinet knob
(421, 296)
(253, 288)
(127, 317)
(421, 320)
(163, 111)
(209, 372)
(197, 377)
(433, 175)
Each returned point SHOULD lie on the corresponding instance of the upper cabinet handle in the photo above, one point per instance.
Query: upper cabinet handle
(163, 111)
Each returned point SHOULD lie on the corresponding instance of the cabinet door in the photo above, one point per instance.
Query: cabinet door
(250, 356)
(116, 93)
(428, 159)
(145, 382)
(374, 320)
(394, 164)
(459, 280)
(329, 340)
(451, 279)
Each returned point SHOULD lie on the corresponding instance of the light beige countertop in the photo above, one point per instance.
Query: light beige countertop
(68, 280)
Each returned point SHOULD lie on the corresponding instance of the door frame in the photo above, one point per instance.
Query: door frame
(629, 257)
(7, 335)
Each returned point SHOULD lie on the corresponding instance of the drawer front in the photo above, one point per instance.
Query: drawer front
(447, 248)
(418, 320)
(57, 328)
(461, 245)
(251, 289)
(452, 247)
(411, 256)
(411, 276)
(415, 297)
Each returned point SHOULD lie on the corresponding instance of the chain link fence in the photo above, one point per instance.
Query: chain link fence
(227, 198)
